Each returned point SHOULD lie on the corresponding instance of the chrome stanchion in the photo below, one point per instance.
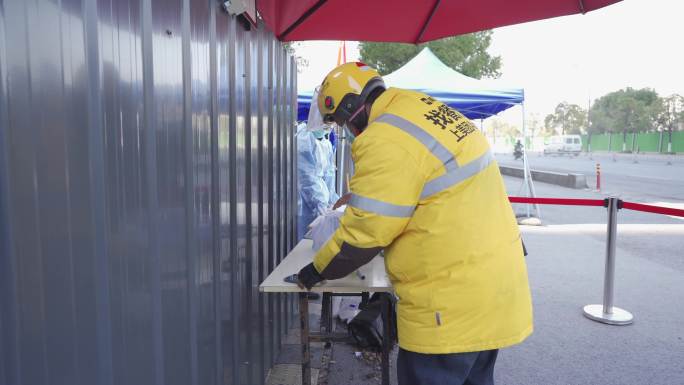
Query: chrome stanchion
(607, 313)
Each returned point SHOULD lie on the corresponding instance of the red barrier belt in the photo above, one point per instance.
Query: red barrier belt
(652, 209)
(599, 202)
(559, 201)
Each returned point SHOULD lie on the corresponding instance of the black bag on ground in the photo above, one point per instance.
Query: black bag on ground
(366, 327)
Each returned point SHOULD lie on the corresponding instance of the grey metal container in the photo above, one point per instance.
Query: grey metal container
(147, 185)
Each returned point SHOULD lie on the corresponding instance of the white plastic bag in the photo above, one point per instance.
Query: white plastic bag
(348, 309)
(323, 227)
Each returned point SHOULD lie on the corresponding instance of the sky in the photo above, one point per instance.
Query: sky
(634, 43)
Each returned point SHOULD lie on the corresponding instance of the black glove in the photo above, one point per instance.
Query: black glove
(308, 276)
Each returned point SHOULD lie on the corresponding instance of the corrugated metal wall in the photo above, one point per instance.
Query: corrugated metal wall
(146, 188)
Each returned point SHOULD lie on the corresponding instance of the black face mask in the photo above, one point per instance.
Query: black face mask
(360, 121)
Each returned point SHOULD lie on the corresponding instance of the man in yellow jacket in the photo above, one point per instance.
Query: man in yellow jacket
(427, 190)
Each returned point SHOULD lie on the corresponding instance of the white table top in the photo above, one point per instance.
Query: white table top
(376, 277)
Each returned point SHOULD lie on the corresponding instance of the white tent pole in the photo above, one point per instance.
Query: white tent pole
(528, 182)
(525, 165)
(533, 194)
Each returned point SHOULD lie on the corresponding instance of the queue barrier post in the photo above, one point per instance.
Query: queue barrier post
(607, 313)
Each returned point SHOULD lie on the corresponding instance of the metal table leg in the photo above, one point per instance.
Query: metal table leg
(330, 314)
(304, 332)
(326, 313)
(386, 339)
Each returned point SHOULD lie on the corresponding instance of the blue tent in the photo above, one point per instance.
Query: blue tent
(476, 99)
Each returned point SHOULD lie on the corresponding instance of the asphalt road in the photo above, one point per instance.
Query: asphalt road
(650, 180)
(566, 267)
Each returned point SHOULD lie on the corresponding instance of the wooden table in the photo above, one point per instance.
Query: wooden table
(352, 285)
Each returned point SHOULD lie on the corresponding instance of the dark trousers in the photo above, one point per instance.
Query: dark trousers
(475, 368)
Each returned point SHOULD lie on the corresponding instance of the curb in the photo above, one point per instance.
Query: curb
(576, 181)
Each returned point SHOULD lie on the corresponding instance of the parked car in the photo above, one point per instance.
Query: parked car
(564, 144)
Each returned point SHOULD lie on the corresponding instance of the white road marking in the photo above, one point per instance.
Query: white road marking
(670, 205)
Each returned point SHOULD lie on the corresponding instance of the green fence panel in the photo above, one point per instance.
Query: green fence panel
(604, 142)
(629, 143)
(648, 141)
(645, 142)
(616, 142)
(599, 142)
(677, 142)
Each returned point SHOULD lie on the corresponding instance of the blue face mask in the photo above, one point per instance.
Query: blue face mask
(319, 134)
(350, 134)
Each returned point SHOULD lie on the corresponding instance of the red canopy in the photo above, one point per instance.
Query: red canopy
(407, 21)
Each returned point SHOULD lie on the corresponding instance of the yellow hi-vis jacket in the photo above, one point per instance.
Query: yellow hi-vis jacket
(427, 189)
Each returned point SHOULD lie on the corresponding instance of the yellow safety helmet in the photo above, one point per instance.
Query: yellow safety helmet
(344, 91)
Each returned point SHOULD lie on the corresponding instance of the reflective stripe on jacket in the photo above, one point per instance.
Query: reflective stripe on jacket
(428, 191)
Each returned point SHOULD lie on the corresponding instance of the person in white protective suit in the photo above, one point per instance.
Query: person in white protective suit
(330, 172)
(315, 170)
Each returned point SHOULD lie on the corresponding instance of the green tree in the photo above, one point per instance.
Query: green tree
(569, 118)
(499, 127)
(466, 54)
(626, 110)
(671, 115)
(533, 125)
